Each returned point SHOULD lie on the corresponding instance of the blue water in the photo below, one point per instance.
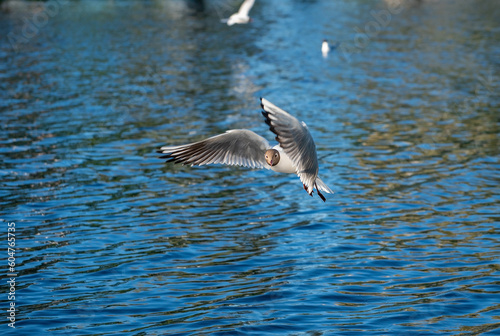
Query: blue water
(111, 240)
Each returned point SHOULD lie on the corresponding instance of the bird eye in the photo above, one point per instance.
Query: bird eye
(276, 155)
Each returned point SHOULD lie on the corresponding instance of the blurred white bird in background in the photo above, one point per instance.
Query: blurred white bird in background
(241, 17)
(325, 48)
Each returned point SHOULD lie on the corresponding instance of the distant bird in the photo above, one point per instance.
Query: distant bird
(295, 153)
(325, 48)
(241, 16)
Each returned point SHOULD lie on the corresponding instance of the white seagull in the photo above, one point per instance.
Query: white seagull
(295, 153)
(242, 15)
(325, 48)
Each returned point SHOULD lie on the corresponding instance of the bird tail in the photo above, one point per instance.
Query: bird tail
(320, 185)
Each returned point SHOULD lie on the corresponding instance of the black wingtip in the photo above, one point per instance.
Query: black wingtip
(319, 192)
(175, 160)
(170, 158)
(262, 104)
(266, 115)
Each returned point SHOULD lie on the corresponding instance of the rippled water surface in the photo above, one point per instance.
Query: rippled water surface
(111, 240)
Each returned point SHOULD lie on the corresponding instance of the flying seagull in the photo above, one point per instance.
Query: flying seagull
(242, 15)
(295, 153)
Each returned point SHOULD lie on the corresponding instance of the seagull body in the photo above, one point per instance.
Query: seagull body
(295, 153)
(325, 48)
(284, 165)
(241, 17)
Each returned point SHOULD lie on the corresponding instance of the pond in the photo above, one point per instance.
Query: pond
(110, 239)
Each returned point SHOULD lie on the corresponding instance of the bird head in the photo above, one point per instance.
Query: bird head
(272, 157)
